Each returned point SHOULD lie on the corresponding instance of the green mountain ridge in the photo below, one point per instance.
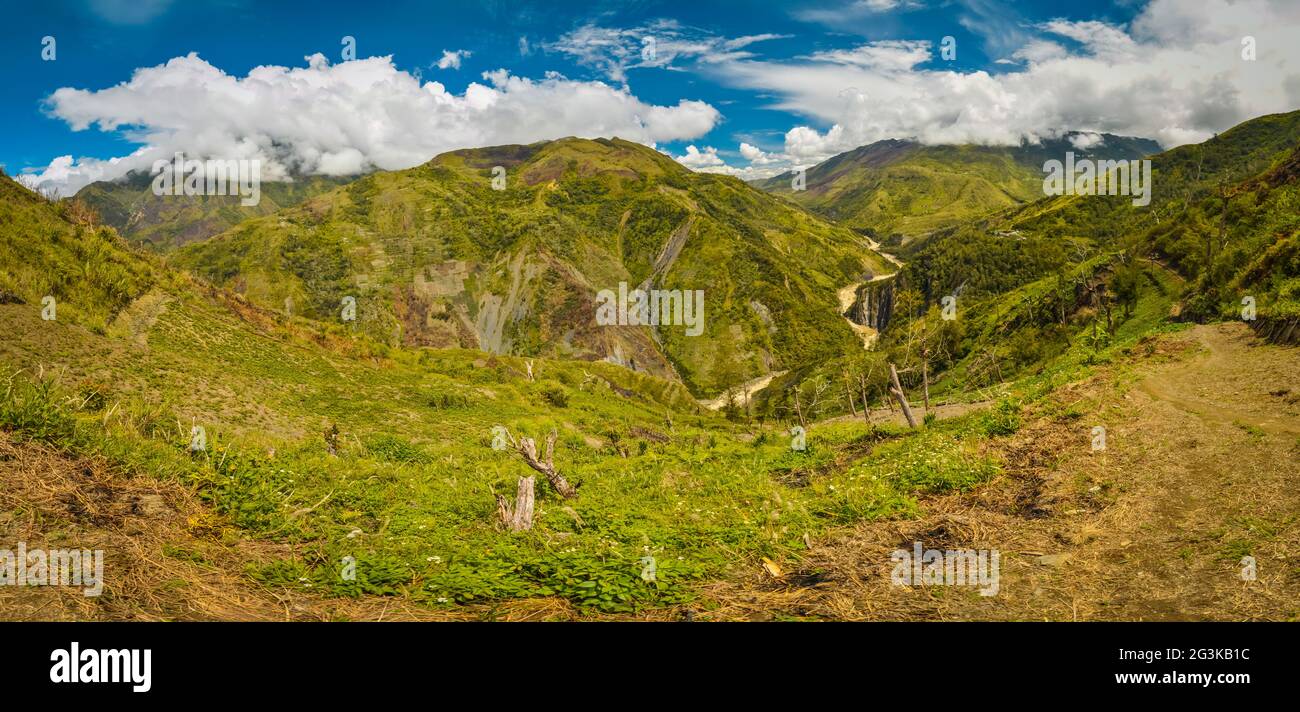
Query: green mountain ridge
(1223, 226)
(895, 189)
(434, 256)
(166, 222)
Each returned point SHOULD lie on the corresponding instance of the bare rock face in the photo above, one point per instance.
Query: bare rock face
(497, 312)
(525, 303)
(874, 304)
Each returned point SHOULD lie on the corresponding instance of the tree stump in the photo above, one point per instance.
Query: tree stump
(518, 517)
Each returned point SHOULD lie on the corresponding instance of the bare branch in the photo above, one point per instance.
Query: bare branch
(897, 390)
(527, 449)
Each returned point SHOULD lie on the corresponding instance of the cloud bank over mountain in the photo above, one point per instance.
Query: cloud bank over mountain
(342, 119)
(1175, 71)
(1175, 74)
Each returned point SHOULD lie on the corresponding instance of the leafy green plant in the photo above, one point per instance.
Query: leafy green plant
(32, 409)
(556, 396)
(391, 448)
(1002, 419)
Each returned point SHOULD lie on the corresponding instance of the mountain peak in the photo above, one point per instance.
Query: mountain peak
(544, 161)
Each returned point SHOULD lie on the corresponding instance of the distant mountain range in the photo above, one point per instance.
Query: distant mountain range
(435, 256)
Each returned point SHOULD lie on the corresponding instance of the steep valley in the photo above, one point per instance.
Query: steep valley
(209, 412)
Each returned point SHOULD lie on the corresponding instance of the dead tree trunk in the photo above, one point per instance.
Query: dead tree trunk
(925, 378)
(798, 409)
(866, 404)
(848, 393)
(527, 449)
(897, 390)
(518, 517)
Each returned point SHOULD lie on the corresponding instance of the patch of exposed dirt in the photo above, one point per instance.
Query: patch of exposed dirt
(892, 414)
(742, 394)
(165, 556)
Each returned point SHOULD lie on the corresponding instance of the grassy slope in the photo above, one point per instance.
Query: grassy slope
(1036, 282)
(1223, 218)
(410, 495)
(1224, 214)
(166, 222)
(89, 271)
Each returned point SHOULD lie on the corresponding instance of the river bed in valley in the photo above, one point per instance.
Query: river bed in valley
(847, 296)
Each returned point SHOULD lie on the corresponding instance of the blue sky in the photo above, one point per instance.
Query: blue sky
(768, 84)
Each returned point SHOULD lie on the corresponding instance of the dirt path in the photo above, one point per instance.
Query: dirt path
(895, 416)
(1201, 467)
(1200, 388)
(743, 393)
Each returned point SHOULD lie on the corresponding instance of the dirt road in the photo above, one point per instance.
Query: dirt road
(742, 393)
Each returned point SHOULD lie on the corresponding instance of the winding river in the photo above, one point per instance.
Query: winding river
(846, 295)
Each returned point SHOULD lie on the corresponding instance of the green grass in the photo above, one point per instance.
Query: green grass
(163, 223)
(48, 253)
(409, 496)
(895, 190)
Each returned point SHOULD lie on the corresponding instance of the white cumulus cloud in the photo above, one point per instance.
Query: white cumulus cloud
(695, 158)
(341, 119)
(761, 163)
(1084, 141)
(451, 58)
(1175, 73)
